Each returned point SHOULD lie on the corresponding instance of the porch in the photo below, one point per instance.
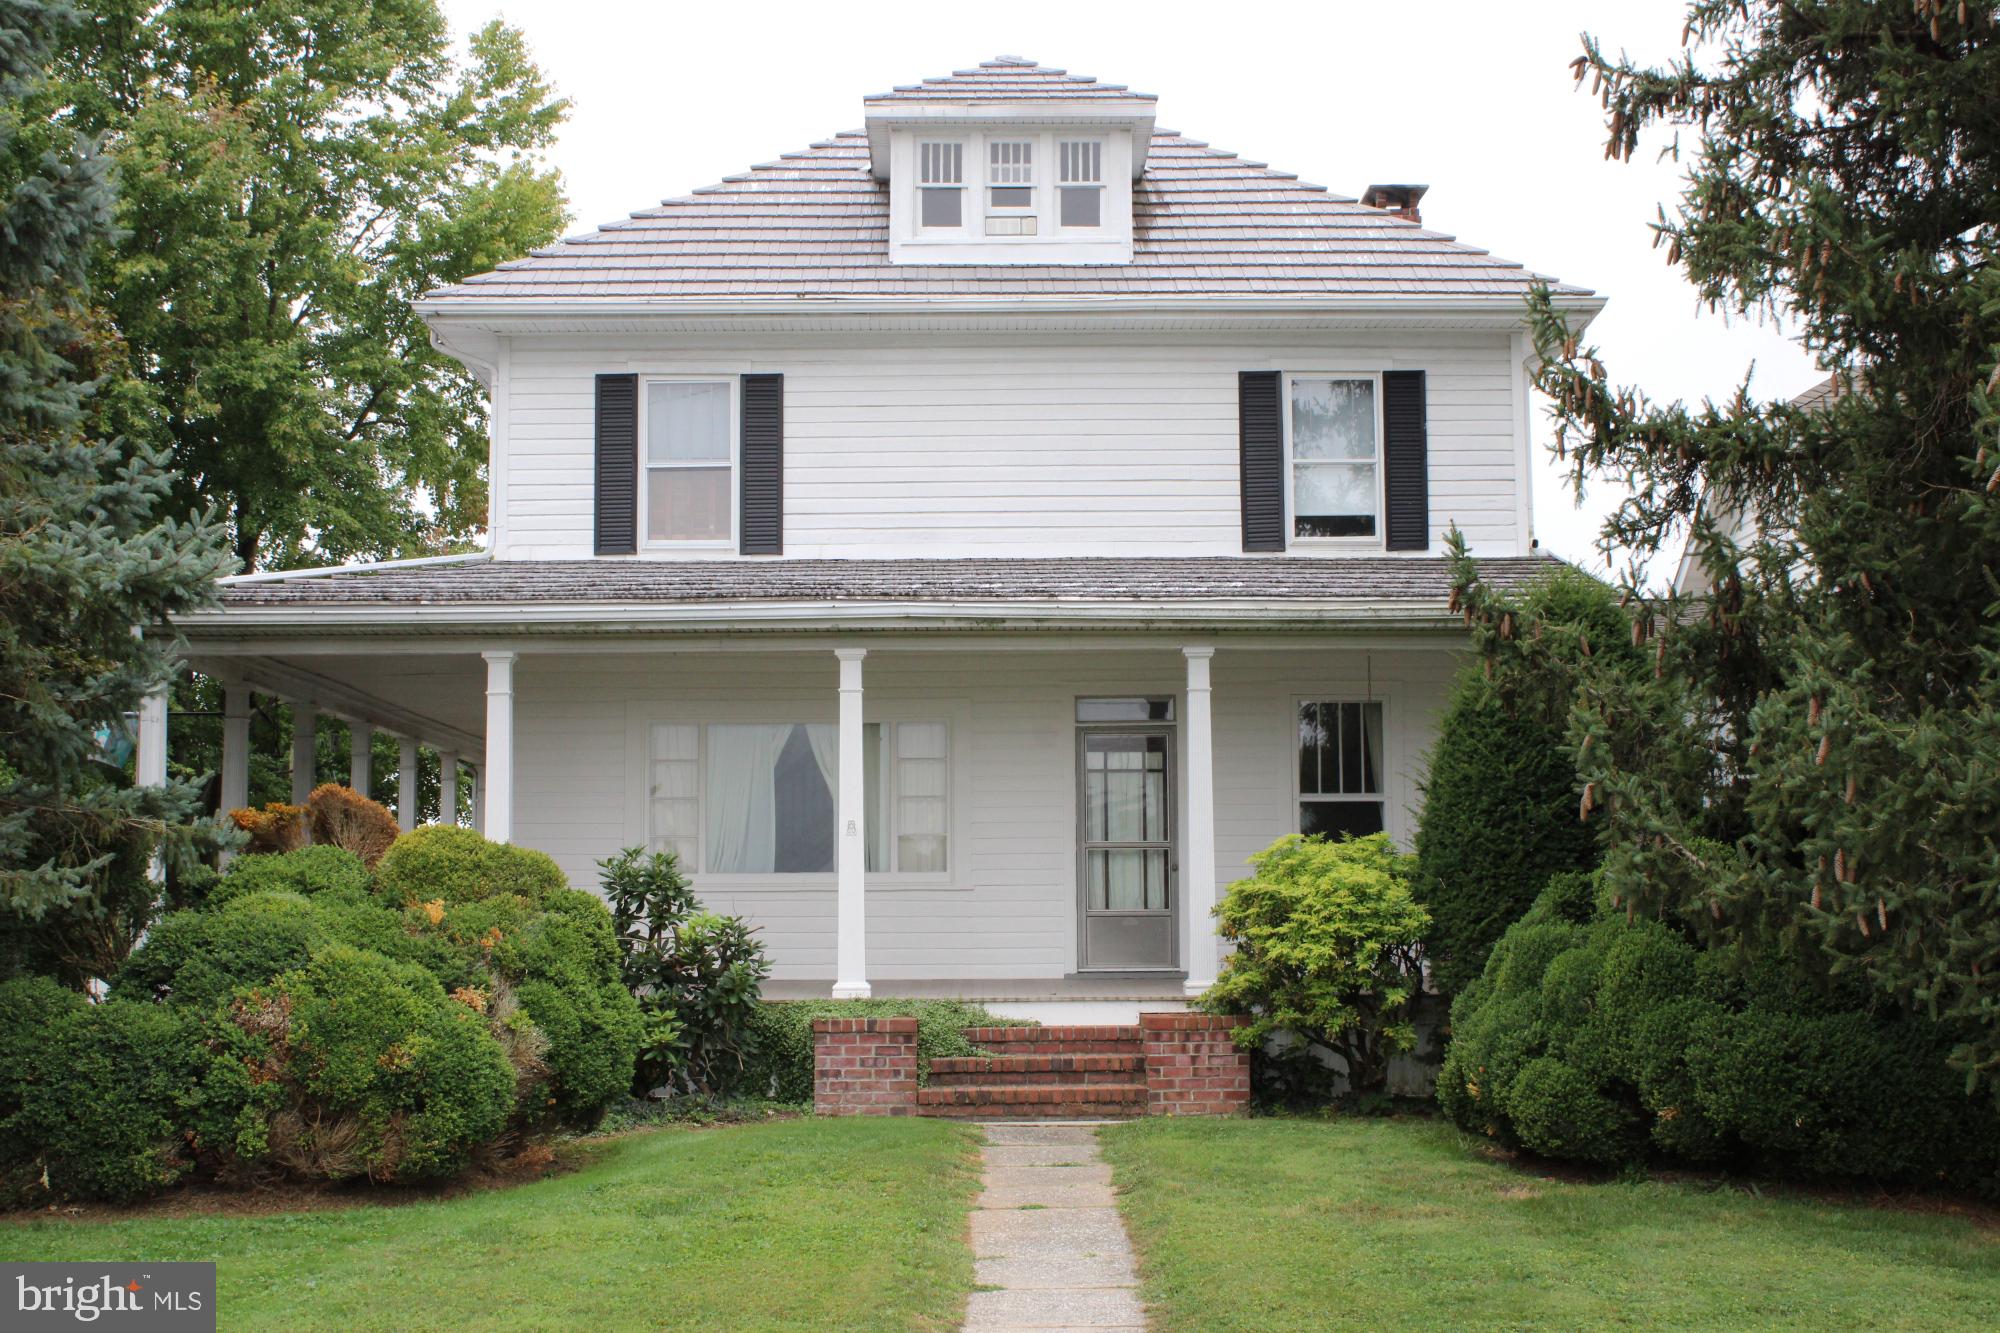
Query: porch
(1040, 822)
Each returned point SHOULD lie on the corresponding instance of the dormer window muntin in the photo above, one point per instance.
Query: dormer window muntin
(1080, 183)
(1010, 174)
(940, 184)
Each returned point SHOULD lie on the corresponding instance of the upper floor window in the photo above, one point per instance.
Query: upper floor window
(690, 462)
(941, 184)
(1010, 187)
(1334, 437)
(1080, 183)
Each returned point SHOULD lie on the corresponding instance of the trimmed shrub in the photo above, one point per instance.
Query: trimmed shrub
(1499, 817)
(1325, 937)
(344, 818)
(455, 865)
(697, 976)
(354, 1065)
(306, 871)
(199, 959)
(781, 1041)
(1616, 1043)
(94, 1094)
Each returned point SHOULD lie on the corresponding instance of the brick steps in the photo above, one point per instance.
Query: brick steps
(1166, 1064)
(1076, 1101)
(999, 1071)
(1092, 1040)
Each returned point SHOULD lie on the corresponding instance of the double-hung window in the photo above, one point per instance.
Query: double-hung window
(690, 461)
(762, 798)
(1333, 431)
(1080, 183)
(1010, 187)
(940, 184)
(1340, 791)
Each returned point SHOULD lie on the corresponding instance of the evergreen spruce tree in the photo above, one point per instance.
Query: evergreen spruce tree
(1813, 762)
(88, 553)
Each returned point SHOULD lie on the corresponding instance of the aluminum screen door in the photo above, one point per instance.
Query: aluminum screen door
(1125, 841)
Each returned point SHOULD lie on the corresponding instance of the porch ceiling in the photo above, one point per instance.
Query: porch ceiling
(439, 698)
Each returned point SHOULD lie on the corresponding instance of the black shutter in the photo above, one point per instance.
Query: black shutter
(763, 462)
(1260, 436)
(1406, 466)
(617, 464)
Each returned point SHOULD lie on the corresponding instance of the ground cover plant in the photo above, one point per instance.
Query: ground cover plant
(1282, 1224)
(827, 1224)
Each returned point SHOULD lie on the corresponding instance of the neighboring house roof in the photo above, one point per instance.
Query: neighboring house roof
(815, 224)
(641, 586)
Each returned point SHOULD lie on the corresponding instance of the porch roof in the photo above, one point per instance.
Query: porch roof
(481, 592)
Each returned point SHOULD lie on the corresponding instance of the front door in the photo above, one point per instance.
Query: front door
(1125, 842)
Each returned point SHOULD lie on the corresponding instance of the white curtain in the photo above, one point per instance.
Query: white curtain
(742, 814)
(824, 738)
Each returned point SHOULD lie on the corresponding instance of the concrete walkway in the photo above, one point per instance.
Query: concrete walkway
(1049, 1250)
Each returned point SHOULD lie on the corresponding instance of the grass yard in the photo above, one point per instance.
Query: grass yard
(827, 1224)
(1294, 1224)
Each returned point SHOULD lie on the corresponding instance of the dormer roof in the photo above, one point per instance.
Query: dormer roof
(1008, 89)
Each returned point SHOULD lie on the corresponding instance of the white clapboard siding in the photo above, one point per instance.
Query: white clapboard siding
(580, 776)
(981, 446)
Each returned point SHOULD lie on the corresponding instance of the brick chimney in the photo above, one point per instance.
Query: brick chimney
(1401, 200)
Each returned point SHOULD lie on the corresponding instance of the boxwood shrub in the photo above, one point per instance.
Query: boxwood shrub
(1614, 1043)
(91, 1094)
(442, 861)
(781, 1045)
(354, 1065)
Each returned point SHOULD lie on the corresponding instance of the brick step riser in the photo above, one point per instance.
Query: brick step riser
(1009, 1048)
(987, 1094)
(1082, 1078)
(1065, 1033)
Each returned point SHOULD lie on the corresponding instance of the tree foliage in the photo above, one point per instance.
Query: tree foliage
(1500, 795)
(1814, 761)
(295, 175)
(88, 545)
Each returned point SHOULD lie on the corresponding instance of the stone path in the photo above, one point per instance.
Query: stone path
(1049, 1250)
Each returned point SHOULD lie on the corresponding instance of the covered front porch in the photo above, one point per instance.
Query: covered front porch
(1025, 819)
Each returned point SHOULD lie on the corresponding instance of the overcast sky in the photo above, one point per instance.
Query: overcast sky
(1473, 98)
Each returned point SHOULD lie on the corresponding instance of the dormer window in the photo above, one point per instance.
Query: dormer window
(1010, 187)
(941, 184)
(1080, 183)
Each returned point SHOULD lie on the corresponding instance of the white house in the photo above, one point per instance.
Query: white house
(964, 541)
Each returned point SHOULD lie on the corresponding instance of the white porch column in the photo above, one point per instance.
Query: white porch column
(149, 759)
(1198, 856)
(478, 801)
(851, 933)
(447, 786)
(406, 783)
(499, 767)
(305, 754)
(360, 756)
(235, 745)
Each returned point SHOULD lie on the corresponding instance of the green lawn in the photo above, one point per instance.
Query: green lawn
(819, 1224)
(1294, 1224)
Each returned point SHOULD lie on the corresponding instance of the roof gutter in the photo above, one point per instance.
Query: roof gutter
(1254, 613)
